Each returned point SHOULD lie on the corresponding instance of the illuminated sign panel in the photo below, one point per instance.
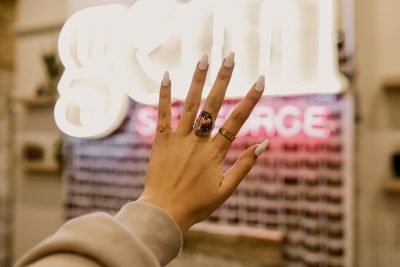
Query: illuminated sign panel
(111, 52)
(286, 121)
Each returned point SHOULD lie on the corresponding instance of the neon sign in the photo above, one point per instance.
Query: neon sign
(111, 52)
(286, 121)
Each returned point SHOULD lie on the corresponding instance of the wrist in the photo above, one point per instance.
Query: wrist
(183, 223)
(142, 219)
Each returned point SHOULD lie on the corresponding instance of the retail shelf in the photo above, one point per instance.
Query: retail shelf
(247, 251)
(270, 235)
(392, 185)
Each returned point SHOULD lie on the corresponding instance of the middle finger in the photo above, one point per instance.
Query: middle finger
(217, 94)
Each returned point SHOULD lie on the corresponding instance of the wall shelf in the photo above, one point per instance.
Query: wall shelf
(38, 102)
(39, 168)
(391, 83)
(41, 28)
(392, 185)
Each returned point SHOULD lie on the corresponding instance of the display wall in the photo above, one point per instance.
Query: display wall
(299, 190)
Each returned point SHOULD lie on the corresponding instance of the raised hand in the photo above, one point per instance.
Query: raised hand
(185, 173)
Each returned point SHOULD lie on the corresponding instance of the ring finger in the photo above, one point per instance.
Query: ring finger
(239, 116)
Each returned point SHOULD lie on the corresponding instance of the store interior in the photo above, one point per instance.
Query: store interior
(320, 196)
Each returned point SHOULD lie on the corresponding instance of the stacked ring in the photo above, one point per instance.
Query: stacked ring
(231, 137)
(165, 127)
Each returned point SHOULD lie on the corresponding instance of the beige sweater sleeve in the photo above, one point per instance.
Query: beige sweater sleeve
(139, 235)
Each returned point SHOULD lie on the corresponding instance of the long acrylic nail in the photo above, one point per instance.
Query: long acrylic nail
(260, 84)
(229, 60)
(203, 64)
(261, 148)
(165, 82)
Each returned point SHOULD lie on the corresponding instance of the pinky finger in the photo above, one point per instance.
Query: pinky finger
(241, 168)
(164, 106)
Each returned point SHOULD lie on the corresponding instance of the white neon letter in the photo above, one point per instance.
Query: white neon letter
(91, 103)
(262, 118)
(315, 122)
(288, 122)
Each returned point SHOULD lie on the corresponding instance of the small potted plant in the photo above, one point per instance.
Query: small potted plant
(54, 70)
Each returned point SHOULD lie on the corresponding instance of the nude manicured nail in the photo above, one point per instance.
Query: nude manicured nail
(229, 60)
(261, 148)
(260, 84)
(203, 64)
(166, 80)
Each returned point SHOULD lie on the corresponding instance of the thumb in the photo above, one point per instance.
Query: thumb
(241, 168)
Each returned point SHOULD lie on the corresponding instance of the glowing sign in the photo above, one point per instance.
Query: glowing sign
(112, 51)
(287, 121)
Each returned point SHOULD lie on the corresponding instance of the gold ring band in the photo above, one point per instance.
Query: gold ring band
(231, 137)
(165, 127)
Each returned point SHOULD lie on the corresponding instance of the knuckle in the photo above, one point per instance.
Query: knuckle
(164, 94)
(191, 106)
(247, 164)
(253, 98)
(218, 155)
(164, 99)
(198, 79)
(162, 115)
(214, 103)
(224, 76)
(238, 116)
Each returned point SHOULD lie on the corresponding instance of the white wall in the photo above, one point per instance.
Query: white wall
(38, 205)
(38, 198)
(378, 42)
(6, 80)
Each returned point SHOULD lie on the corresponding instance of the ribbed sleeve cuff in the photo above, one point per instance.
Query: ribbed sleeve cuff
(156, 229)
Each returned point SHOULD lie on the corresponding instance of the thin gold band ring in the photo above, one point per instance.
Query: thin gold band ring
(231, 137)
(165, 127)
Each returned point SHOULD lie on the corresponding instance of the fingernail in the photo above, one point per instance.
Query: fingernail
(229, 60)
(260, 84)
(165, 81)
(203, 64)
(261, 148)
